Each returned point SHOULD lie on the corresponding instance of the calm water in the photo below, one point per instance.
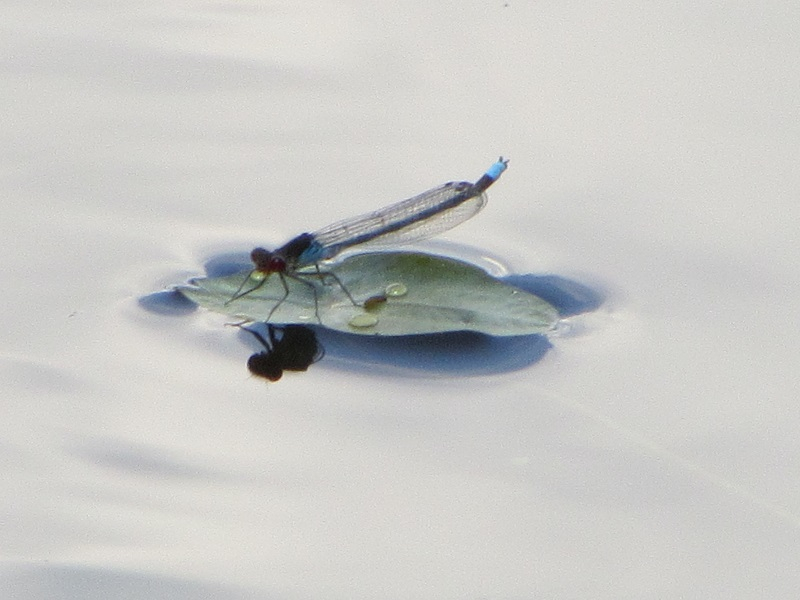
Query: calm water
(648, 452)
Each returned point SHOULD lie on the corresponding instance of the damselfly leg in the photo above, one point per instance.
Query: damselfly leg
(278, 268)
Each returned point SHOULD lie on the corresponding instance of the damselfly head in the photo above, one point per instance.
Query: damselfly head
(260, 256)
(267, 262)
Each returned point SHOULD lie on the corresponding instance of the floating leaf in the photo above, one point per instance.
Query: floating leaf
(404, 292)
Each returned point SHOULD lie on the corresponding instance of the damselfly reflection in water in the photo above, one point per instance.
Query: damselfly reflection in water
(417, 218)
(290, 348)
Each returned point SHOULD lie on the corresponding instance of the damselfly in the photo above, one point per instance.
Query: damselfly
(420, 217)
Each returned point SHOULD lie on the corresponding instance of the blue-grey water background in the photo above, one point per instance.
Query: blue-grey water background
(649, 452)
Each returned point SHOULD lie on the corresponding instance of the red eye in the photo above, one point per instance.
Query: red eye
(276, 265)
(261, 258)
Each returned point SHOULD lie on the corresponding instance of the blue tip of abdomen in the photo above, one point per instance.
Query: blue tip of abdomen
(497, 168)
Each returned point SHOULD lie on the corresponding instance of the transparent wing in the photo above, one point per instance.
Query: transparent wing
(420, 217)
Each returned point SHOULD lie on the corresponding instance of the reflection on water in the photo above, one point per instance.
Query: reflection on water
(290, 348)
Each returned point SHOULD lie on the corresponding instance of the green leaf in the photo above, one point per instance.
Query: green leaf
(423, 294)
